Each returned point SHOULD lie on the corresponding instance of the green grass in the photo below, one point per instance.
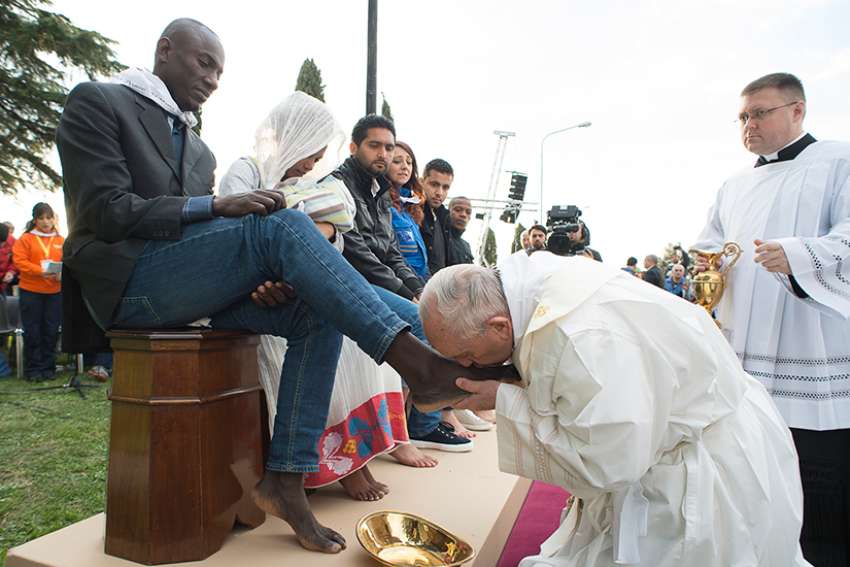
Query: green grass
(53, 455)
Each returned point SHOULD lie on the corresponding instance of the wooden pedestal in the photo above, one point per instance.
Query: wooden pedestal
(185, 445)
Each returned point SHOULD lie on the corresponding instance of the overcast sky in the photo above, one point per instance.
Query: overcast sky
(659, 80)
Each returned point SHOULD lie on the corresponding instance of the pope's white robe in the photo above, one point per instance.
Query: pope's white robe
(636, 404)
(798, 348)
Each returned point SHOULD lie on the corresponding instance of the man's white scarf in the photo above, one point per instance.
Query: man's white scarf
(152, 88)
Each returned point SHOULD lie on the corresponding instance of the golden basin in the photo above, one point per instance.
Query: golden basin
(402, 539)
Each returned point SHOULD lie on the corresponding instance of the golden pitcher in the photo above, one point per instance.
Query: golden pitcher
(710, 284)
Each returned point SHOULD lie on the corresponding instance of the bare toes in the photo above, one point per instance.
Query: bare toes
(333, 535)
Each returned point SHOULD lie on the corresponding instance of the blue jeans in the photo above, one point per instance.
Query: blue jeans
(41, 315)
(212, 270)
(418, 424)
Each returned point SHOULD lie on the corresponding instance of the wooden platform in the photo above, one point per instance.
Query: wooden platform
(465, 493)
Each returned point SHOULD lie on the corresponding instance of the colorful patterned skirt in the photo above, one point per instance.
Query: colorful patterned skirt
(366, 415)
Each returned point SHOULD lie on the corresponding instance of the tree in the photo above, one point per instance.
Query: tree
(37, 49)
(310, 80)
(386, 112)
(489, 258)
(517, 243)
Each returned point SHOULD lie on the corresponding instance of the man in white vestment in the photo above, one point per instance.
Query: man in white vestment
(679, 458)
(787, 302)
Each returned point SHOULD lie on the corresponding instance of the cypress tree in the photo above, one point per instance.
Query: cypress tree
(310, 80)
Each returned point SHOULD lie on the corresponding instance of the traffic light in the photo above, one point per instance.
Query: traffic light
(510, 213)
(517, 190)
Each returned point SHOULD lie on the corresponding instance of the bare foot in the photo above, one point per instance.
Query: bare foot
(385, 488)
(282, 495)
(487, 415)
(411, 456)
(431, 377)
(357, 486)
(461, 431)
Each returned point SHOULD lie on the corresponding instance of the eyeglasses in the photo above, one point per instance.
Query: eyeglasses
(760, 114)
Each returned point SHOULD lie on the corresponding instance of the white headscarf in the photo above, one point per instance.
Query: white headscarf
(296, 128)
(152, 88)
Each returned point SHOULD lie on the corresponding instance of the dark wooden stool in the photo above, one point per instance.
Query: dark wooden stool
(185, 445)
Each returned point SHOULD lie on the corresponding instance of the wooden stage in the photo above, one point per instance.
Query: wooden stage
(465, 494)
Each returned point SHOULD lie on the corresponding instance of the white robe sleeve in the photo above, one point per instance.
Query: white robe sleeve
(821, 265)
(588, 419)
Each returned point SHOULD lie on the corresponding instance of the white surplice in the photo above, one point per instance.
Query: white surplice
(635, 403)
(798, 348)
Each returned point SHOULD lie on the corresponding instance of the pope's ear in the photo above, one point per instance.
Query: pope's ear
(501, 325)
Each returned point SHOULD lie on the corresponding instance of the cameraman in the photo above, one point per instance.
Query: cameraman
(580, 240)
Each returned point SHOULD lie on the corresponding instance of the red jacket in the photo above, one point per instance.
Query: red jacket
(6, 264)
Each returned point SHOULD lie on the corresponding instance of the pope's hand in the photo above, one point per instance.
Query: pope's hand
(483, 394)
(772, 257)
(702, 263)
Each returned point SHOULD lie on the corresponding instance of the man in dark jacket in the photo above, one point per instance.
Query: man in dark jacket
(437, 180)
(653, 274)
(459, 251)
(372, 248)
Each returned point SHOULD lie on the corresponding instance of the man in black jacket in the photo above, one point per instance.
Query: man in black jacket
(459, 251)
(372, 248)
(437, 180)
(653, 274)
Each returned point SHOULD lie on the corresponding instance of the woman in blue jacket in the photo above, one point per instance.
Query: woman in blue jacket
(408, 201)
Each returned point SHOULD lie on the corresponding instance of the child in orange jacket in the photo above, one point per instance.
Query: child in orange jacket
(38, 256)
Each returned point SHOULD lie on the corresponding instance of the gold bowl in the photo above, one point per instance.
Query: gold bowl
(402, 539)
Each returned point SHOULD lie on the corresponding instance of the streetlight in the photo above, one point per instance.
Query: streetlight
(581, 125)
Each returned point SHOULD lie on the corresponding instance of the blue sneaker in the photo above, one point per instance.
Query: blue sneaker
(443, 438)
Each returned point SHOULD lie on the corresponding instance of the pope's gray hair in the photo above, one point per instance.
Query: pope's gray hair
(464, 297)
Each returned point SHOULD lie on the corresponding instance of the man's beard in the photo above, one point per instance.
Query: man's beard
(370, 167)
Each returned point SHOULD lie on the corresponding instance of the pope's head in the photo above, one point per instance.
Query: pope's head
(465, 315)
(771, 113)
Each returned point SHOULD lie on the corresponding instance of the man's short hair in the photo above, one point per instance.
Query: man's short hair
(785, 82)
(539, 227)
(361, 129)
(183, 24)
(459, 198)
(438, 165)
(632, 261)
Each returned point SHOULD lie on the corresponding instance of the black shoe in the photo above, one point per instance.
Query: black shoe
(443, 438)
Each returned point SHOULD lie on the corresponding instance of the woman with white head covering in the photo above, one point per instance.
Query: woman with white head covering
(366, 416)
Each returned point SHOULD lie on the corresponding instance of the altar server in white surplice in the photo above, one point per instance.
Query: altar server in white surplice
(678, 456)
(787, 303)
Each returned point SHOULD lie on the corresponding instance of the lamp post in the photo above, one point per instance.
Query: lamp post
(580, 125)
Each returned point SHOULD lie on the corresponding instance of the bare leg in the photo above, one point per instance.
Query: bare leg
(461, 431)
(282, 495)
(358, 486)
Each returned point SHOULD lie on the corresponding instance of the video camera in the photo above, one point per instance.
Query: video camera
(561, 222)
